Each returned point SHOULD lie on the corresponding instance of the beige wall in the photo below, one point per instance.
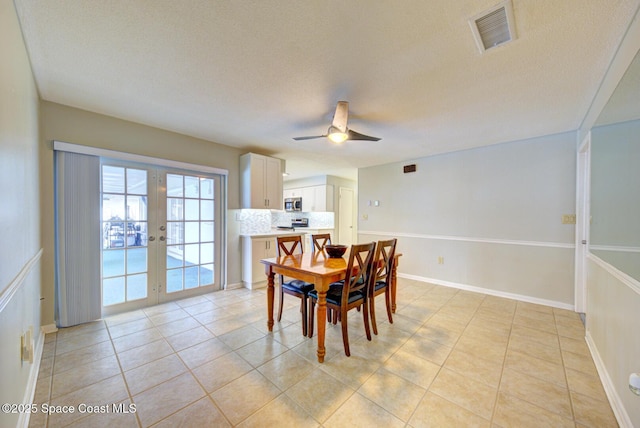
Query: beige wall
(493, 214)
(76, 126)
(19, 214)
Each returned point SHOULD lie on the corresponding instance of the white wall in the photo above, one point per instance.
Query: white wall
(493, 214)
(76, 126)
(19, 214)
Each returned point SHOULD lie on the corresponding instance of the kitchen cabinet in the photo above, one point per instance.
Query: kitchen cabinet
(253, 250)
(260, 182)
(306, 238)
(314, 198)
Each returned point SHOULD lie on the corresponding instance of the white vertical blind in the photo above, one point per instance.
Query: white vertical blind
(77, 201)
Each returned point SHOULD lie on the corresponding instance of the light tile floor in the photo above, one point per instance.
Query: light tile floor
(451, 358)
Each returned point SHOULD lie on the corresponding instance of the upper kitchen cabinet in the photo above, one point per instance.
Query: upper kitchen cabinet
(314, 198)
(260, 182)
(317, 198)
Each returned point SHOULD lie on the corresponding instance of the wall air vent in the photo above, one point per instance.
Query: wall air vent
(494, 27)
(409, 168)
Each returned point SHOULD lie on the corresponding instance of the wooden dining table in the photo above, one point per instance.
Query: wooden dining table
(319, 269)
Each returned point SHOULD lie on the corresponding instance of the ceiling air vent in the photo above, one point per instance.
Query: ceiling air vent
(494, 27)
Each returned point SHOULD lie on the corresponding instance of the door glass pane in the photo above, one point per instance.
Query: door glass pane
(113, 291)
(206, 274)
(137, 287)
(206, 253)
(174, 280)
(174, 185)
(175, 233)
(206, 210)
(191, 231)
(175, 209)
(112, 179)
(175, 256)
(124, 230)
(137, 260)
(206, 231)
(190, 215)
(136, 181)
(191, 277)
(191, 187)
(191, 255)
(206, 188)
(192, 209)
(112, 263)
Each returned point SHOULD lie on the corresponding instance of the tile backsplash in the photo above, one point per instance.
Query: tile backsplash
(262, 221)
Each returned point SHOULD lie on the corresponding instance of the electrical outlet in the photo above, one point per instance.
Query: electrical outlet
(568, 219)
(440, 260)
(365, 216)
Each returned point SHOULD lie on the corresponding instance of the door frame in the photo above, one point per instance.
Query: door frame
(583, 220)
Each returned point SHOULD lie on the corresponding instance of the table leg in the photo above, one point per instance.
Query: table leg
(394, 277)
(322, 323)
(270, 292)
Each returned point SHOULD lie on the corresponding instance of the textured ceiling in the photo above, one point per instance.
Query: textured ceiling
(254, 74)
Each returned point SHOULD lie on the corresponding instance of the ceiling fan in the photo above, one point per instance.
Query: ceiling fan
(338, 131)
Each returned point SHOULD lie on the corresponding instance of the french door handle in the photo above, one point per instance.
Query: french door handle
(152, 238)
(162, 228)
(162, 238)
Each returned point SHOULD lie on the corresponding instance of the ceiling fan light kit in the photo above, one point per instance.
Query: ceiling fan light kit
(338, 131)
(336, 135)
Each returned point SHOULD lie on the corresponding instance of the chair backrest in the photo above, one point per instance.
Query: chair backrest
(383, 261)
(320, 240)
(358, 270)
(287, 245)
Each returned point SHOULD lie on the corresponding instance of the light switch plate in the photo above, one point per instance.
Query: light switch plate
(568, 219)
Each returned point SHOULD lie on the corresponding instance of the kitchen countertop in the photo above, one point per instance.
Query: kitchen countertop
(284, 232)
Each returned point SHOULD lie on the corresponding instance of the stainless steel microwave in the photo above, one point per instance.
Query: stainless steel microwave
(293, 204)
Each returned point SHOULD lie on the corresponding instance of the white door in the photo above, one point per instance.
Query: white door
(159, 234)
(345, 216)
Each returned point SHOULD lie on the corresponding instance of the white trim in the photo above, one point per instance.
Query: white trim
(489, 291)
(113, 154)
(30, 391)
(627, 280)
(49, 328)
(616, 248)
(614, 399)
(470, 239)
(583, 195)
(17, 282)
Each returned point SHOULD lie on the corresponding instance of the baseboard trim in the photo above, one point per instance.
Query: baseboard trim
(49, 328)
(30, 391)
(234, 286)
(512, 296)
(614, 399)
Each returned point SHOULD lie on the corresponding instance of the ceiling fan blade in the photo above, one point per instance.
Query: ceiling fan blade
(353, 135)
(341, 116)
(309, 137)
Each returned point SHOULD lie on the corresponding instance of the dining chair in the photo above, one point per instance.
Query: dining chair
(381, 278)
(320, 240)
(288, 246)
(350, 293)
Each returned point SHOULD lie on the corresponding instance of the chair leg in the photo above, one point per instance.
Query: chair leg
(387, 297)
(303, 309)
(365, 313)
(372, 310)
(345, 332)
(281, 304)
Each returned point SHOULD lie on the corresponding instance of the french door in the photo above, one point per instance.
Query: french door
(160, 234)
